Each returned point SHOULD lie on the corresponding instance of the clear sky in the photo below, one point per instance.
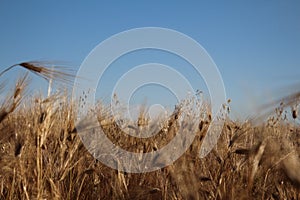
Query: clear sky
(255, 44)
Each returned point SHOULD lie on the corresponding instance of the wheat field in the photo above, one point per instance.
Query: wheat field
(42, 157)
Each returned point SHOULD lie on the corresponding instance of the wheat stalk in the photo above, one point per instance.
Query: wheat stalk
(13, 102)
(41, 69)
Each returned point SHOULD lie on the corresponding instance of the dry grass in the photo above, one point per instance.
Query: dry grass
(42, 157)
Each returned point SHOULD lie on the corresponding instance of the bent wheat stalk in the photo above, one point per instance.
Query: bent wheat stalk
(56, 73)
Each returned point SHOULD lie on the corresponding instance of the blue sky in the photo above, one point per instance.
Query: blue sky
(255, 44)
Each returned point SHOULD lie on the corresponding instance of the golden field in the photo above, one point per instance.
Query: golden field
(42, 157)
